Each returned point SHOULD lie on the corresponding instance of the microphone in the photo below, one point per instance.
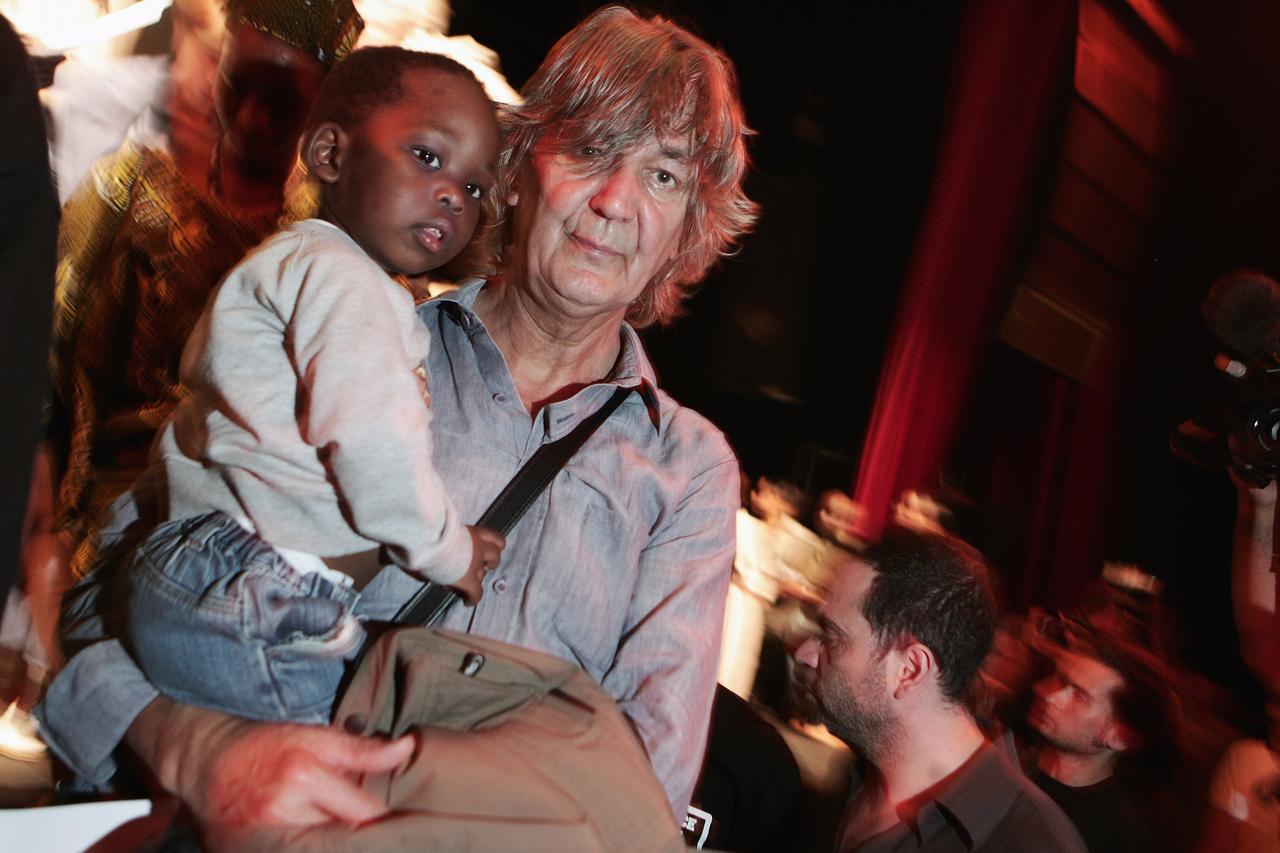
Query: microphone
(1243, 312)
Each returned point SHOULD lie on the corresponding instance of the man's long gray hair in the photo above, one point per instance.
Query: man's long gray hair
(612, 82)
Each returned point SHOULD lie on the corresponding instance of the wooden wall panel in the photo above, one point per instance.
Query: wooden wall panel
(1110, 162)
(1096, 222)
(1063, 271)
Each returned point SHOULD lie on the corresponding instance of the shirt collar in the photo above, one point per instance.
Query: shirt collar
(978, 795)
(632, 370)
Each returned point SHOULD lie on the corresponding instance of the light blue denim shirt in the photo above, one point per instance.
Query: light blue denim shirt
(621, 566)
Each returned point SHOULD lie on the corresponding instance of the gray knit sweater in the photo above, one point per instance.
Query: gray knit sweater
(305, 414)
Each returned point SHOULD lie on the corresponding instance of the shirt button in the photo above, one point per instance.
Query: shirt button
(500, 585)
(499, 398)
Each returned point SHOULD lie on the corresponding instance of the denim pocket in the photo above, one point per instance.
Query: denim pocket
(218, 618)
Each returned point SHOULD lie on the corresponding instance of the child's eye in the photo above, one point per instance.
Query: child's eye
(427, 157)
(475, 191)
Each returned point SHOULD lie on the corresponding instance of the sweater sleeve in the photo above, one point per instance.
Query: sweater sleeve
(356, 343)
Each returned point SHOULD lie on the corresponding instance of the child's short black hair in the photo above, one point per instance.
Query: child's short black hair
(372, 77)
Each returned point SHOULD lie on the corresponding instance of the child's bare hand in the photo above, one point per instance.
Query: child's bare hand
(486, 553)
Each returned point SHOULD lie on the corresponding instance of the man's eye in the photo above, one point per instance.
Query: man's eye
(427, 157)
(591, 152)
(666, 180)
(475, 191)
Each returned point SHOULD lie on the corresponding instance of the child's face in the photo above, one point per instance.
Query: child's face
(411, 183)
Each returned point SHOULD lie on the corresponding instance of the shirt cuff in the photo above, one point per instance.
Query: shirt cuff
(89, 707)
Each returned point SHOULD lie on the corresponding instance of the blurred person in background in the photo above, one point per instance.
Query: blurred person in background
(95, 104)
(28, 225)
(1244, 795)
(1105, 705)
(142, 245)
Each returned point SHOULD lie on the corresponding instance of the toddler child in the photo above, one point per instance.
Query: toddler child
(302, 455)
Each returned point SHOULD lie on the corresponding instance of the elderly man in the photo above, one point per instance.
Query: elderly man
(904, 631)
(622, 185)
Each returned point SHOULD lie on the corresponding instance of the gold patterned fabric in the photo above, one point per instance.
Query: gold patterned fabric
(326, 29)
(139, 251)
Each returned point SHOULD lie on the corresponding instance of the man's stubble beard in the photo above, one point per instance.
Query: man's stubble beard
(867, 724)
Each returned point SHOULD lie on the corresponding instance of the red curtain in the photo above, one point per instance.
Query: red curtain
(1010, 81)
(1047, 448)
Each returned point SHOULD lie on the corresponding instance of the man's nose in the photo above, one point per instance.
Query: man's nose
(807, 653)
(617, 196)
(255, 118)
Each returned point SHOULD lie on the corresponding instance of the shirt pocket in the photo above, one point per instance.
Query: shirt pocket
(595, 587)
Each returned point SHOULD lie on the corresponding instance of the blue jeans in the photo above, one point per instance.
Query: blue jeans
(217, 618)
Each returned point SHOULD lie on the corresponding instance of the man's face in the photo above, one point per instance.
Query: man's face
(263, 93)
(847, 673)
(1072, 709)
(415, 173)
(593, 227)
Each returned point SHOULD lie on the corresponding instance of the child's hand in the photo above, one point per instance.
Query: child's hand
(486, 552)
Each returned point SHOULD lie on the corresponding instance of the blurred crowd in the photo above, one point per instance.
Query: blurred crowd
(1138, 749)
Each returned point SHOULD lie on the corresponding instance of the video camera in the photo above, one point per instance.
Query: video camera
(1240, 428)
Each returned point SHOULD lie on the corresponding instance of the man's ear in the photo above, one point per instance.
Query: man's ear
(913, 667)
(1118, 737)
(324, 149)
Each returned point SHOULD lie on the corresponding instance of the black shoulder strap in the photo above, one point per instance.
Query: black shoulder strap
(430, 602)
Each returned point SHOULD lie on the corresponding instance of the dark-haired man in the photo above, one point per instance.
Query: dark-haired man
(1104, 700)
(904, 631)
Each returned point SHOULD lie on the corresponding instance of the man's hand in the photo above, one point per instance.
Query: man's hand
(239, 773)
(1251, 496)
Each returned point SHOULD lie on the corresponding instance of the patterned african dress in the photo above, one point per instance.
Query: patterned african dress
(139, 252)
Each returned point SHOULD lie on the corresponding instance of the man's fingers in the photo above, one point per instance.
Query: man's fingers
(337, 797)
(298, 775)
(343, 751)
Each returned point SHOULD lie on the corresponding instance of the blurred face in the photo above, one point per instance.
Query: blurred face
(593, 228)
(413, 176)
(264, 91)
(1072, 709)
(847, 673)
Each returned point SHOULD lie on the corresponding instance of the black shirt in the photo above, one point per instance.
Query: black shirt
(1104, 814)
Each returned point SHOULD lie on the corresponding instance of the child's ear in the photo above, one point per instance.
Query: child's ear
(324, 148)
